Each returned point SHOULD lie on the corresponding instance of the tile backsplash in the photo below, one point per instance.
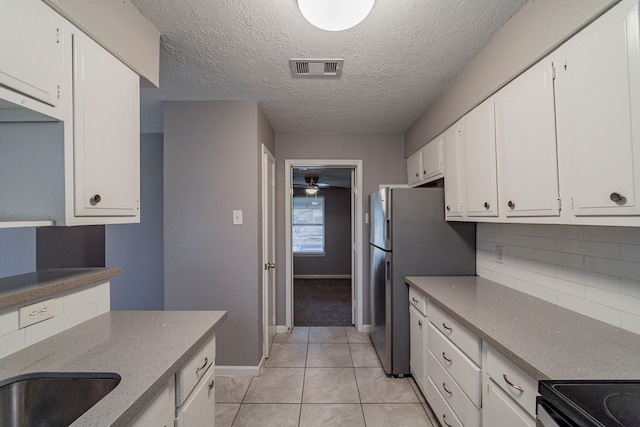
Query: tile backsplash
(71, 308)
(592, 270)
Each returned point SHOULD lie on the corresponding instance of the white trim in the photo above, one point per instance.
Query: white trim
(241, 371)
(266, 228)
(282, 329)
(365, 328)
(356, 231)
(322, 276)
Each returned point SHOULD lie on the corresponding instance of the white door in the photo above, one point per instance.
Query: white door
(268, 247)
(452, 173)
(354, 250)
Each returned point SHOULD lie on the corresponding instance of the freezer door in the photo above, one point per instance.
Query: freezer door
(380, 332)
(379, 212)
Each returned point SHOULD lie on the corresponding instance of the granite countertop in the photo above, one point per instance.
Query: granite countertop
(144, 347)
(543, 339)
(23, 288)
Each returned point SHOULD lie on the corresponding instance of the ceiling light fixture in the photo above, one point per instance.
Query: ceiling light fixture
(335, 15)
(311, 190)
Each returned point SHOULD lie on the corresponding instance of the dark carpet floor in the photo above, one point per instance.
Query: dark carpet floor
(322, 302)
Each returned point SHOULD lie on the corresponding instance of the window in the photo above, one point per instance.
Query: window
(308, 225)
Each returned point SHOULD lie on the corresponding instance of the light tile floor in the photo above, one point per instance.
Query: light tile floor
(321, 376)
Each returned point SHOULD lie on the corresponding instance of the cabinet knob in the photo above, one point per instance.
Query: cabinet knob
(212, 383)
(617, 198)
(486, 205)
(419, 322)
(417, 174)
(448, 208)
(95, 200)
(511, 204)
(424, 172)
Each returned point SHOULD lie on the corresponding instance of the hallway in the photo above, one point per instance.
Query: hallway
(321, 376)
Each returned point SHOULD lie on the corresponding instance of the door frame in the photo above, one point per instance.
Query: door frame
(268, 227)
(357, 267)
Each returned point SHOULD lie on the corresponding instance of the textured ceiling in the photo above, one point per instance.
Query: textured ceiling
(396, 62)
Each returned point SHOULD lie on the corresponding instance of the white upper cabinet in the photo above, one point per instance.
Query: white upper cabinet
(106, 132)
(452, 173)
(478, 145)
(599, 114)
(31, 58)
(526, 140)
(414, 168)
(427, 164)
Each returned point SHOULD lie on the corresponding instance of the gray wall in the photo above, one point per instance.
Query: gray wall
(383, 162)
(17, 251)
(138, 248)
(530, 34)
(337, 257)
(212, 167)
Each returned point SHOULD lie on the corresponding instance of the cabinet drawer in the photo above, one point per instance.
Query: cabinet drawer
(440, 407)
(463, 370)
(418, 300)
(196, 368)
(464, 409)
(458, 334)
(520, 386)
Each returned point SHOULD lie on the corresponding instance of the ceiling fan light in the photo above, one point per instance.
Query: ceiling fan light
(311, 190)
(335, 15)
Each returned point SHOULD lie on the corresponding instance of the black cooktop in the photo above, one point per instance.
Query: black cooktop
(595, 402)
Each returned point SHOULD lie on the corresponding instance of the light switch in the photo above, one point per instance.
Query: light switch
(237, 217)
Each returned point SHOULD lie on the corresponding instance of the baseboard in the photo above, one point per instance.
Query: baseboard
(366, 328)
(281, 329)
(322, 276)
(240, 371)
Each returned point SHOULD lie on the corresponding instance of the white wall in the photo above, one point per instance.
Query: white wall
(594, 271)
(530, 34)
(383, 163)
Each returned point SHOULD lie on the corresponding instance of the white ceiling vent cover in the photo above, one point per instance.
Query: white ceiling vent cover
(316, 67)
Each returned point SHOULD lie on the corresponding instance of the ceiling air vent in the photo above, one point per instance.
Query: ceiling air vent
(316, 67)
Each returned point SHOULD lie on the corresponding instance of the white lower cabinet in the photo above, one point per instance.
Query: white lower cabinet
(160, 412)
(509, 393)
(200, 409)
(417, 324)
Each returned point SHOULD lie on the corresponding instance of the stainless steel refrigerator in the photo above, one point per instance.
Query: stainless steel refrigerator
(409, 237)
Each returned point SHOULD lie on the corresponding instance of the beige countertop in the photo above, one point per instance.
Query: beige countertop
(144, 347)
(23, 288)
(543, 339)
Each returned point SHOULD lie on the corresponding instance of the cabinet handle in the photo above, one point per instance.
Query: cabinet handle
(212, 383)
(448, 208)
(95, 200)
(444, 420)
(617, 198)
(424, 172)
(444, 325)
(204, 365)
(414, 300)
(420, 323)
(512, 385)
(486, 205)
(445, 357)
(444, 386)
(417, 174)
(511, 204)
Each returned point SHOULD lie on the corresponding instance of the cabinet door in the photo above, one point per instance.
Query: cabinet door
(106, 132)
(452, 173)
(433, 160)
(599, 114)
(414, 168)
(200, 409)
(526, 138)
(479, 147)
(416, 357)
(31, 59)
(160, 412)
(499, 410)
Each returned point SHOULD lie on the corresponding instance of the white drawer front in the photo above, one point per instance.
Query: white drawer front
(418, 300)
(196, 368)
(459, 366)
(504, 372)
(465, 410)
(440, 407)
(461, 337)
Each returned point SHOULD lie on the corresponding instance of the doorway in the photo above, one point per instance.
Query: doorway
(323, 270)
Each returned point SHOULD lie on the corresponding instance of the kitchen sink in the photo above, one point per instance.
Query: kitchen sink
(51, 399)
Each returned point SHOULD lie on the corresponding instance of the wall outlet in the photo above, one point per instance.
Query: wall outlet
(37, 312)
(499, 254)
